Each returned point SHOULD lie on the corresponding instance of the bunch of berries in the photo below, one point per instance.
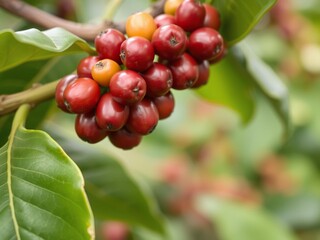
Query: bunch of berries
(125, 90)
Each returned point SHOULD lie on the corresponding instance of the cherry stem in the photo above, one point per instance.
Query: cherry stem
(85, 31)
(34, 95)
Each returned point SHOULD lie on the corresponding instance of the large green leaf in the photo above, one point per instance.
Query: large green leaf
(238, 17)
(229, 85)
(235, 221)
(113, 193)
(32, 44)
(41, 188)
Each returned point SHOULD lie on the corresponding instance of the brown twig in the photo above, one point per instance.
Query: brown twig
(34, 95)
(47, 20)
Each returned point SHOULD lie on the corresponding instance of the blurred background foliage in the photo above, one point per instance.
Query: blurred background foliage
(213, 176)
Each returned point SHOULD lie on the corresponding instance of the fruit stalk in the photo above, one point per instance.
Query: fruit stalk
(34, 95)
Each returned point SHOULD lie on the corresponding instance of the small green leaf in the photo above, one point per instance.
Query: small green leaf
(32, 44)
(269, 83)
(113, 193)
(236, 221)
(234, 80)
(229, 85)
(238, 17)
(41, 188)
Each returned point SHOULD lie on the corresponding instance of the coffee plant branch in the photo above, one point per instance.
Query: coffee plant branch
(40, 93)
(82, 30)
(34, 95)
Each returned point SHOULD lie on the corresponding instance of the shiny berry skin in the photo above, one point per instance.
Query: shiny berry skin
(61, 86)
(111, 115)
(108, 44)
(212, 18)
(205, 43)
(164, 19)
(81, 95)
(158, 79)
(204, 72)
(190, 15)
(165, 105)
(169, 42)
(87, 128)
(137, 53)
(220, 56)
(85, 65)
(103, 71)
(140, 24)
(127, 87)
(143, 117)
(185, 72)
(125, 139)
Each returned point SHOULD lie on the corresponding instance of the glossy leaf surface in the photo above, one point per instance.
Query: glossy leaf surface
(41, 189)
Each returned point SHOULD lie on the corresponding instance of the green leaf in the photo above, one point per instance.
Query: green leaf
(238, 17)
(234, 80)
(229, 85)
(32, 44)
(270, 85)
(41, 188)
(113, 193)
(236, 221)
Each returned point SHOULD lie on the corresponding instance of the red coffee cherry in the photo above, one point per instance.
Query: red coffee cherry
(143, 117)
(204, 72)
(111, 115)
(85, 65)
(108, 44)
(212, 18)
(81, 95)
(158, 79)
(164, 19)
(169, 41)
(220, 56)
(190, 15)
(61, 86)
(125, 139)
(127, 87)
(165, 105)
(137, 53)
(205, 43)
(185, 72)
(87, 128)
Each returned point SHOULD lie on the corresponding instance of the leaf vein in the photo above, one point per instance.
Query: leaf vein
(48, 190)
(51, 213)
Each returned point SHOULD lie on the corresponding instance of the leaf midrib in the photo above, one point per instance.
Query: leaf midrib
(9, 178)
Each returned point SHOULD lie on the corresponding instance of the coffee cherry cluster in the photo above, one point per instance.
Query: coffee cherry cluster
(125, 90)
